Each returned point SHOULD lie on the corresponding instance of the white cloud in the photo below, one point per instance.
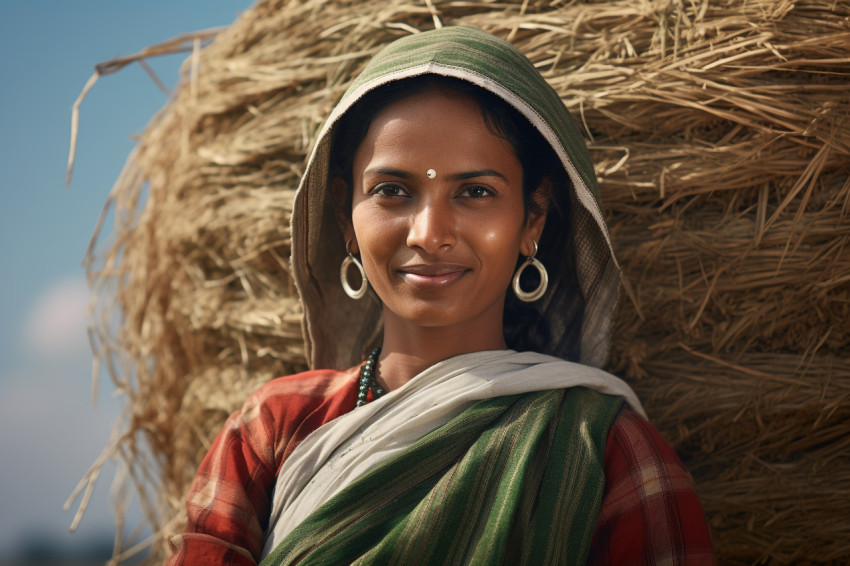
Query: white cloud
(55, 327)
(49, 435)
(49, 432)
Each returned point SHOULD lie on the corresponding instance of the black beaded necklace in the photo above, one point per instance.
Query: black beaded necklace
(367, 379)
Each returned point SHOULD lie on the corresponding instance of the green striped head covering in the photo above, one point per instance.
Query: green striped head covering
(579, 303)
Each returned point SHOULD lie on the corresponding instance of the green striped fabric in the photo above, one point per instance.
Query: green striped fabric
(493, 486)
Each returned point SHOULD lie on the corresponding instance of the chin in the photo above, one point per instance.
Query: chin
(429, 318)
(445, 313)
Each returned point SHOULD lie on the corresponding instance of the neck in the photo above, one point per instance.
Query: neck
(408, 349)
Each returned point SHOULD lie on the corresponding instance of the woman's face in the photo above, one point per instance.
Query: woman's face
(437, 213)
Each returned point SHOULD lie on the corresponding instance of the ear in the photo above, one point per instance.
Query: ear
(342, 211)
(535, 222)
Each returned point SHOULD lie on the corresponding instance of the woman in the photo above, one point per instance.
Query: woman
(452, 178)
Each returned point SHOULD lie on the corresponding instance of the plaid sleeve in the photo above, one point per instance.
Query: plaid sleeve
(229, 503)
(650, 512)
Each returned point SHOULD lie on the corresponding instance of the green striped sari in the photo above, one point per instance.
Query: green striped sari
(511, 480)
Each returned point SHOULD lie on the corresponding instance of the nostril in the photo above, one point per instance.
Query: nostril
(431, 230)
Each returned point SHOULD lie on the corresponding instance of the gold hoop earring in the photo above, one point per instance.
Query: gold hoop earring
(343, 275)
(531, 296)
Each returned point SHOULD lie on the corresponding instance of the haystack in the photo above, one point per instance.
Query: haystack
(721, 134)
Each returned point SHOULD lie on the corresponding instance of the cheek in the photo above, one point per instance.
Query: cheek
(495, 239)
(502, 241)
(376, 234)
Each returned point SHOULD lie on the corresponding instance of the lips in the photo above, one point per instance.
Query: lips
(432, 275)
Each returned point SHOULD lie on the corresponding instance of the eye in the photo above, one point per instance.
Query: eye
(389, 190)
(477, 192)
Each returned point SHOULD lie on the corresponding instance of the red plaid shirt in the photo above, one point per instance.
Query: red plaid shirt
(650, 513)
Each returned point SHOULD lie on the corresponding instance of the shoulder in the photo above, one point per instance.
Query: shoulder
(299, 394)
(310, 384)
(282, 412)
(635, 440)
(641, 462)
(650, 507)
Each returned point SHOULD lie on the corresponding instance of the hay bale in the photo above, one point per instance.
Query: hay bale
(721, 134)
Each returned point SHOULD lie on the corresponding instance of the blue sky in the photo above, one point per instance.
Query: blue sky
(49, 431)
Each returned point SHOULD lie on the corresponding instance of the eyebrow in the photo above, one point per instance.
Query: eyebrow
(401, 174)
(481, 173)
(389, 171)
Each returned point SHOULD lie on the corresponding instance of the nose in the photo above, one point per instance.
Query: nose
(432, 227)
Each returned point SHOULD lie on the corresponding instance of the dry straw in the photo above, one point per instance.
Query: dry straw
(721, 134)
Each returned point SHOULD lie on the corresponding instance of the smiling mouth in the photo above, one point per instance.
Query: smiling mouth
(432, 276)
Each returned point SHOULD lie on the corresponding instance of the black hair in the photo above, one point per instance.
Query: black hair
(524, 326)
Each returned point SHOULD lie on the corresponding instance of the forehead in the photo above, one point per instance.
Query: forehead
(435, 124)
(431, 102)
